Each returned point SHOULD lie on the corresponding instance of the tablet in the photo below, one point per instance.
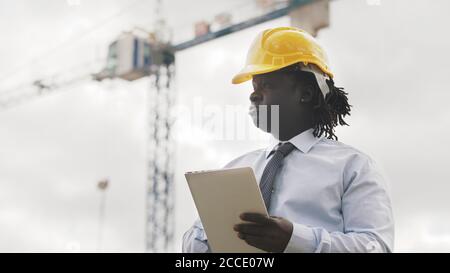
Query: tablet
(220, 197)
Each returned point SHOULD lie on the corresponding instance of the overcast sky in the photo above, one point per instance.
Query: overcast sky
(392, 59)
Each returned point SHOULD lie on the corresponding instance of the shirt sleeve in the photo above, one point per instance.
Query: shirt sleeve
(195, 240)
(367, 214)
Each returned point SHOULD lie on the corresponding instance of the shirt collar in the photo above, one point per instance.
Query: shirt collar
(303, 141)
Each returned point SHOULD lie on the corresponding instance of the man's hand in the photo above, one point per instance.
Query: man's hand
(271, 234)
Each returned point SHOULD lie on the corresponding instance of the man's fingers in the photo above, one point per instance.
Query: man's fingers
(256, 218)
(250, 228)
(256, 241)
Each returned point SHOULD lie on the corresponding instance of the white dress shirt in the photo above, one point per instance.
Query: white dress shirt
(333, 194)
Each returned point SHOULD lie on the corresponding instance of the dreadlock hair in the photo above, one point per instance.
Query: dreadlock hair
(328, 112)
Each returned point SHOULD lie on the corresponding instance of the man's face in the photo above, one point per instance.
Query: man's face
(270, 89)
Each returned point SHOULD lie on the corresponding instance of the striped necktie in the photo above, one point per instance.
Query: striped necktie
(270, 171)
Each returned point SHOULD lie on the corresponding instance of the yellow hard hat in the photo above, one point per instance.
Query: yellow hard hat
(279, 47)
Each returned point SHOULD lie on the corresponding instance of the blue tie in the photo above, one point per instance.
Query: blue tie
(270, 171)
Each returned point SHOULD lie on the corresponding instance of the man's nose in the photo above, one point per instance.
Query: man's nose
(255, 97)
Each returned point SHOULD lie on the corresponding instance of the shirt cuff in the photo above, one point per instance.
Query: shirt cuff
(199, 231)
(199, 234)
(303, 240)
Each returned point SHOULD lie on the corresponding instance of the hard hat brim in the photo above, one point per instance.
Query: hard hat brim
(249, 71)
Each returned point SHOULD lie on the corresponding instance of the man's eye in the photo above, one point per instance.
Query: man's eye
(266, 85)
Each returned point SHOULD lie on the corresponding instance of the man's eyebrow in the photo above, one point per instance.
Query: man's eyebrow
(262, 81)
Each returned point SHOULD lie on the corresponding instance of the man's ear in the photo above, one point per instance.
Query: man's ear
(306, 94)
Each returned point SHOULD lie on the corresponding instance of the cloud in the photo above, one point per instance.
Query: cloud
(54, 150)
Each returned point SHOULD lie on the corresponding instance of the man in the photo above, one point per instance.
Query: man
(322, 195)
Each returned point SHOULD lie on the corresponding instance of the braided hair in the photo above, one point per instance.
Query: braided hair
(328, 112)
